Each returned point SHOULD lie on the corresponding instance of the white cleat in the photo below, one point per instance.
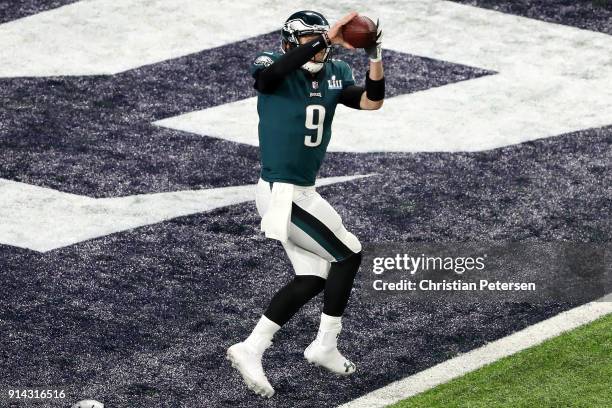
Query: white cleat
(329, 358)
(248, 363)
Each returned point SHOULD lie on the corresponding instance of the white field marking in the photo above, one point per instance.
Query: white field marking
(42, 219)
(107, 36)
(475, 359)
(94, 37)
(552, 79)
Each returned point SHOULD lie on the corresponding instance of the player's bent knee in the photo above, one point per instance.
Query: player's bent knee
(308, 286)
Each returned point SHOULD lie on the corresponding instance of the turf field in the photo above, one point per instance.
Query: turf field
(572, 370)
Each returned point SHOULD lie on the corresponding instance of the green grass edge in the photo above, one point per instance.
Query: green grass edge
(571, 370)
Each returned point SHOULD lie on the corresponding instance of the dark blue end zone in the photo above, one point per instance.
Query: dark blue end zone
(142, 318)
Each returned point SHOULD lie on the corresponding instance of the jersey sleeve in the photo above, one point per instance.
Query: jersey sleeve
(261, 61)
(348, 78)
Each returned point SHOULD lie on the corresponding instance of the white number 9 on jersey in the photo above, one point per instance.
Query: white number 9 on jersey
(312, 125)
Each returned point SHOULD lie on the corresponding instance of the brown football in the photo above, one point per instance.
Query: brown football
(360, 32)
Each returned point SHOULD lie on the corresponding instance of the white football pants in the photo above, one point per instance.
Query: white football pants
(316, 233)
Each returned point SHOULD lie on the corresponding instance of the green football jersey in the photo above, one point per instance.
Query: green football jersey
(295, 120)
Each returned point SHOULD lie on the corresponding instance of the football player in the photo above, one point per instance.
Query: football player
(298, 90)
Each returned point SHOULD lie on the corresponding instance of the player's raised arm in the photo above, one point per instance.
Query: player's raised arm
(269, 78)
(375, 79)
(297, 54)
(371, 97)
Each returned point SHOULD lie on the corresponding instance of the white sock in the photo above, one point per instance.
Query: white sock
(330, 322)
(329, 329)
(261, 336)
